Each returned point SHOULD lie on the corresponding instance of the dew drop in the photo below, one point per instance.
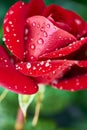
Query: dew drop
(20, 7)
(48, 25)
(32, 46)
(40, 41)
(11, 12)
(14, 34)
(38, 25)
(34, 24)
(28, 66)
(42, 29)
(78, 21)
(47, 64)
(6, 66)
(31, 39)
(18, 40)
(32, 58)
(26, 31)
(10, 22)
(22, 3)
(34, 68)
(42, 62)
(54, 72)
(7, 29)
(45, 34)
(5, 20)
(4, 39)
(81, 38)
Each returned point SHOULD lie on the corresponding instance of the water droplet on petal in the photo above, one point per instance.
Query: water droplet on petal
(34, 24)
(42, 62)
(10, 22)
(42, 29)
(38, 25)
(45, 34)
(32, 58)
(11, 12)
(34, 68)
(47, 64)
(40, 41)
(26, 31)
(32, 46)
(7, 29)
(14, 34)
(4, 39)
(48, 25)
(18, 40)
(28, 66)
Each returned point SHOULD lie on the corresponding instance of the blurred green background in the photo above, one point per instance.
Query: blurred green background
(60, 110)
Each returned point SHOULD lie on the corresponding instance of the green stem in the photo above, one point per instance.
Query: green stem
(37, 111)
(3, 95)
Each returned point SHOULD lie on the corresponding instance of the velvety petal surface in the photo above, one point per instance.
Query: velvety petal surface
(12, 79)
(81, 67)
(14, 28)
(36, 7)
(45, 37)
(63, 52)
(76, 23)
(40, 68)
(72, 84)
(64, 66)
(74, 79)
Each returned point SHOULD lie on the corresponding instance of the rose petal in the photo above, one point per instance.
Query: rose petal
(71, 48)
(82, 53)
(45, 37)
(57, 73)
(65, 67)
(14, 23)
(36, 7)
(72, 84)
(77, 23)
(59, 14)
(74, 79)
(81, 63)
(39, 68)
(12, 79)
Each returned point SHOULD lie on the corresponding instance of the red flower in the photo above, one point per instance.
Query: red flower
(50, 46)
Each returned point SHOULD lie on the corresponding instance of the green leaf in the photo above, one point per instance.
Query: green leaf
(25, 101)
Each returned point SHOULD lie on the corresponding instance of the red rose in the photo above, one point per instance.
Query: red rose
(49, 45)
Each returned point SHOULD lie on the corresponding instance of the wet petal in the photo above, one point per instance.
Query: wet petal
(45, 37)
(72, 84)
(14, 23)
(12, 79)
(63, 69)
(39, 68)
(82, 64)
(59, 14)
(57, 73)
(77, 23)
(71, 48)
